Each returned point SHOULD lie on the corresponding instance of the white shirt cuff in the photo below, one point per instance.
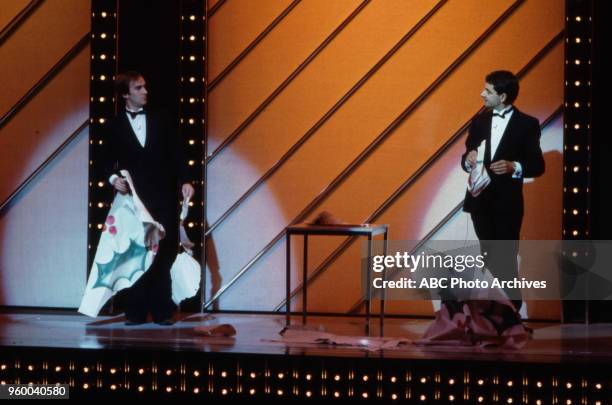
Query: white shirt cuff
(518, 170)
(112, 178)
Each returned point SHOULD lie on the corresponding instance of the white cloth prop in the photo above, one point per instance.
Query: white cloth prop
(479, 177)
(128, 244)
(185, 271)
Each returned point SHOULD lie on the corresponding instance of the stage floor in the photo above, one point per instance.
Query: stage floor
(259, 334)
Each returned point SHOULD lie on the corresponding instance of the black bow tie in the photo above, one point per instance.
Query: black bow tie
(503, 115)
(134, 114)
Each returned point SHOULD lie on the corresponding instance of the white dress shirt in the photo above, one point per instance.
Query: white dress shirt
(139, 125)
(498, 126)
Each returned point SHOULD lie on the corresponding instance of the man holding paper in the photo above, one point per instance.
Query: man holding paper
(509, 144)
(148, 147)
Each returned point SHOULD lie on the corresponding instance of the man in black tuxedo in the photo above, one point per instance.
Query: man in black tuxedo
(147, 146)
(512, 153)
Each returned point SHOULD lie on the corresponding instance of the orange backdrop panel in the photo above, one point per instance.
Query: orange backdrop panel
(357, 123)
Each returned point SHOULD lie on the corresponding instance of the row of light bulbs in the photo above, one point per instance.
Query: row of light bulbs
(102, 98)
(323, 393)
(575, 194)
(189, 21)
(379, 375)
(307, 375)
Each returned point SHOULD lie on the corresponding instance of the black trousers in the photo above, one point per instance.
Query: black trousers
(500, 257)
(153, 290)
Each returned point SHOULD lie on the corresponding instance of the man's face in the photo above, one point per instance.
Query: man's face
(137, 97)
(491, 98)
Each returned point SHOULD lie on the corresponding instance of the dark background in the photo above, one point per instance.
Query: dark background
(149, 43)
(601, 155)
(601, 180)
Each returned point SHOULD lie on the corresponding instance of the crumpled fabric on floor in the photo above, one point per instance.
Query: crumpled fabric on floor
(304, 336)
(477, 323)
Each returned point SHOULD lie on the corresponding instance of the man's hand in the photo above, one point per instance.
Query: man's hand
(471, 158)
(121, 185)
(187, 190)
(502, 167)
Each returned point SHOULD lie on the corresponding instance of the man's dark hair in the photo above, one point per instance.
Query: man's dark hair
(504, 81)
(123, 80)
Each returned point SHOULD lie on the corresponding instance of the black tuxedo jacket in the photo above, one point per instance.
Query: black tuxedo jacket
(519, 143)
(157, 169)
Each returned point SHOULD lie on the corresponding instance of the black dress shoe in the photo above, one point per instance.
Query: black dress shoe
(165, 322)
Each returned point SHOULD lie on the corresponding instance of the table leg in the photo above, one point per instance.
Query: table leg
(304, 281)
(383, 293)
(368, 286)
(288, 279)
